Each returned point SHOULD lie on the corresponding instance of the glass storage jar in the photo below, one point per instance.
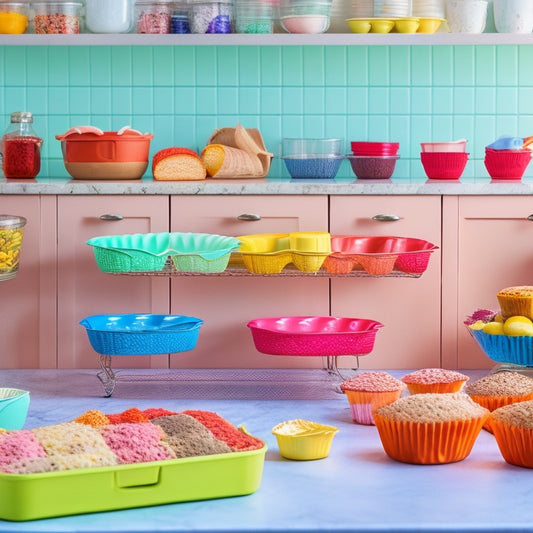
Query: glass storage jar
(109, 16)
(153, 17)
(211, 17)
(20, 147)
(179, 20)
(57, 17)
(14, 17)
(254, 16)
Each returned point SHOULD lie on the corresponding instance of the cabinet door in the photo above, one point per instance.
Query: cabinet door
(28, 324)
(490, 249)
(409, 308)
(84, 290)
(227, 304)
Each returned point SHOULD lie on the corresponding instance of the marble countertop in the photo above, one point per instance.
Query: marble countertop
(357, 489)
(344, 186)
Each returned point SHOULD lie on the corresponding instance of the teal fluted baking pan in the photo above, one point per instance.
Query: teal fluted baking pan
(68, 492)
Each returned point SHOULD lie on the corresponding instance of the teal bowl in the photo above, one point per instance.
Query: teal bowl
(14, 404)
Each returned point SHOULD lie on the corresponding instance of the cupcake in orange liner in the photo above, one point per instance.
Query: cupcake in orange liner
(434, 380)
(430, 428)
(368, 391)
(499, 389)
(512, 426)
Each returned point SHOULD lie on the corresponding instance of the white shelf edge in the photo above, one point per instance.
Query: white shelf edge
(276, 39)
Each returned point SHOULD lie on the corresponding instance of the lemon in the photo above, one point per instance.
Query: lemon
(517, 326)
(493, 328)
(479, 324)
(498, 318)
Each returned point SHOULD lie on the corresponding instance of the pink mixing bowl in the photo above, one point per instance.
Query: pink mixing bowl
(314, 335)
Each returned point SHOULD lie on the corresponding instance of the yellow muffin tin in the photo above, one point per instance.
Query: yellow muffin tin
(398, 25)
(270, 253)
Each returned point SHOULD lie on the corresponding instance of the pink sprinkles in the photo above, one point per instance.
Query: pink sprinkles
(373, 382)
(17, 446)
(429, 376)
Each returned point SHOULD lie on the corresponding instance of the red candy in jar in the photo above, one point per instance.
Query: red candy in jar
(20, 147)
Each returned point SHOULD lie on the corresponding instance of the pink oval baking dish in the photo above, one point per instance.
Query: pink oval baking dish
(314, 335)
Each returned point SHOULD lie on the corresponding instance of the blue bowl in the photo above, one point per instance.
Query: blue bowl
(133, 334)
(505, 349)
(311, 166)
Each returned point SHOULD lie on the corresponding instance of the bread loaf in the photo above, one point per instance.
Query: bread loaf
(177, 163)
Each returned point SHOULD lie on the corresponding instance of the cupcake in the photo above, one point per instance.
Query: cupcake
(430, 428)
(499, 389)
(512, 426)
(368, 391)
(434, 380)
(516, 301)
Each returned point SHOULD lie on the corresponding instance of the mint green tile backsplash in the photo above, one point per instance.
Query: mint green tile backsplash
(181, 94)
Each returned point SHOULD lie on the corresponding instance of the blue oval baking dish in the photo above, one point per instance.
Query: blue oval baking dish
(148, 334)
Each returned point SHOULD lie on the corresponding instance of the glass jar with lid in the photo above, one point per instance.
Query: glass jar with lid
(20, 147)
(14, 17)
(109, 16)
(153, 16)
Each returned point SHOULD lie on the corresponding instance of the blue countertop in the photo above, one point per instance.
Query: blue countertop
(264, 186)
(356, 489)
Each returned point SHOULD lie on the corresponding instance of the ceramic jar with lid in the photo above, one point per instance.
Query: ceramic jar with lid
(109, 16)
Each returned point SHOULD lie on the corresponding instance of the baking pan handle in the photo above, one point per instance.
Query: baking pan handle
(249, 217)
(530, 217)
(386, 218)
(109, 216)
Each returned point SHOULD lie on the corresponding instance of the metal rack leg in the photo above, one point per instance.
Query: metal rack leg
(106, 375)
(331, 367)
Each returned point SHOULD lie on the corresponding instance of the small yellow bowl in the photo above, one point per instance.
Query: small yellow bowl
(429, 25)
(302, 440)
(407, 25)
(382, 25)
(359, 25)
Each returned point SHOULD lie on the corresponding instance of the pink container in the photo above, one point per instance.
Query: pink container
(507, 164)
(444, 165)
(314, 335)
(378, 255)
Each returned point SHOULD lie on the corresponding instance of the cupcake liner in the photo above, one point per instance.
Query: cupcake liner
(428, 443)
(494, 402)
(363, 404)
(515, 443)
(423, 388)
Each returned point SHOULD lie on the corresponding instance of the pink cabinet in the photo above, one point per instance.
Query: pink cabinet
(227, 304)
(409, 308)
(83, 289)
(28, 324)
(487, 246)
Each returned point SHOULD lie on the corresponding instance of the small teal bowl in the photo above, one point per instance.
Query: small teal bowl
(14, 404)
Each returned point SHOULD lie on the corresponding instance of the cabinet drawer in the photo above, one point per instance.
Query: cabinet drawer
(409, 308)
(227, 304)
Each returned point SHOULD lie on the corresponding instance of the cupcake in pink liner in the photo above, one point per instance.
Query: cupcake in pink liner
(368, 391)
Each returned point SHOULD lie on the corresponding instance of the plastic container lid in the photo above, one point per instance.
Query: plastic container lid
(12, 222)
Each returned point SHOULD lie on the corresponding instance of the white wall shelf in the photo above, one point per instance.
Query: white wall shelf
(276, 39)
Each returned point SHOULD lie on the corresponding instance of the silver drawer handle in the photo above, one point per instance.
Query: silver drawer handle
(249, 216)
(110, 217)
(530, 217)
(386, 218)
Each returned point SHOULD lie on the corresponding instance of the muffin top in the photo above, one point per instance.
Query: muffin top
(518, 414)
(373, 382)
(427, 408)
(520, 291)
(501, 384)
(429, 376)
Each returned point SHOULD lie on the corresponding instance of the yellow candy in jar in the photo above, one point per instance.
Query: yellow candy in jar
(13, 23)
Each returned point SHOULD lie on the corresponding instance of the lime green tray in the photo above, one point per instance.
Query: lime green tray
(33, 496)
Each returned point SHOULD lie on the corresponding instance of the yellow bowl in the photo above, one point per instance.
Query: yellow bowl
(302, 440)
(429, 25)
(382, 25)
(407, 25)
(359, 25)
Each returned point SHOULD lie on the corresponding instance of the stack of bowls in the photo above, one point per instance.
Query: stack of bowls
(362, 9)
(305, 16)
(507, 164)
(312, 158)
(374, 160)
(429, 8)
(392, 8)
(444, 160)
